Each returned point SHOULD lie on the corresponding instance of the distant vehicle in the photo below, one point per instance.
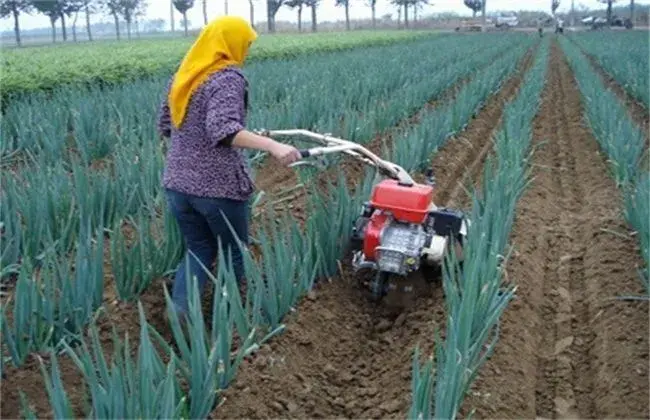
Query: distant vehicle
(597, 23)
(622, 23)
(469, 25)
(588, 20)
(503, 22)
(472, 25)
(506, 20)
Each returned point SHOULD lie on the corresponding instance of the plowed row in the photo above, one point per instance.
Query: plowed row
(566, 349)
(639, 114)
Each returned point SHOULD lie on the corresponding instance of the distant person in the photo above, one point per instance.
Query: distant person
(206, 177)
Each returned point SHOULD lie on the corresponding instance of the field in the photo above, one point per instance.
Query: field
(47, 68)
(542, 141)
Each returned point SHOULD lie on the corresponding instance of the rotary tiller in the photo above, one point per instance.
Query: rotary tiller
(400, 229)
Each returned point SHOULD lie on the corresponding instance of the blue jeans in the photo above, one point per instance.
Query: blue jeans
(201, 223)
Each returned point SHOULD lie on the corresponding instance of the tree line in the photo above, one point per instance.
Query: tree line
(67, 12)
(62, 11)
(131, 11)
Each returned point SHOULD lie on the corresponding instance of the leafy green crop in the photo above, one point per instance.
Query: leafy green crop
(32, 69)
(624, 143)
(624, 55)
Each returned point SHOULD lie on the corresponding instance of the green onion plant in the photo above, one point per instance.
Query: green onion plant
(623, 143)
(623, 55)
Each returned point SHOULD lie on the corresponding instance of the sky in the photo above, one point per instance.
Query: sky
(327, 11)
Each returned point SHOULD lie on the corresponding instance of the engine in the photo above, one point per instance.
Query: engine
(400, 228)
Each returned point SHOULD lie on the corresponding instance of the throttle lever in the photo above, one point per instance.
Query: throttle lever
(305, 153)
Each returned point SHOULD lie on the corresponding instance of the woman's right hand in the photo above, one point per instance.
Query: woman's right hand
(285, 153)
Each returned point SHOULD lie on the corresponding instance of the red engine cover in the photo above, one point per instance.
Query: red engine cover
(371, 234)
(408, 204)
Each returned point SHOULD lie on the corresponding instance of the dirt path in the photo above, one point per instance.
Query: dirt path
(567, 349)
(343, 356)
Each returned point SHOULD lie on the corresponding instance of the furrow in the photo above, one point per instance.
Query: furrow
(638, 112)
(553, 304)
(576, 392)
(567, 349)
(463, 158)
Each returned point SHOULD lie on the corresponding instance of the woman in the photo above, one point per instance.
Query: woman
(206, 176)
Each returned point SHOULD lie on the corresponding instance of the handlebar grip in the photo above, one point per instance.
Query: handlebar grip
(305, 153)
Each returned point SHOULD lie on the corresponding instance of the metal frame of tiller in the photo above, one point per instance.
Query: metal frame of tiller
(331, 145)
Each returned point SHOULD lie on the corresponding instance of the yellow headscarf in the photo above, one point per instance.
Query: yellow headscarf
(223, 42)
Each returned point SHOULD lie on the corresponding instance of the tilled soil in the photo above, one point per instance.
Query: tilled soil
(343, 356)
(567, 348)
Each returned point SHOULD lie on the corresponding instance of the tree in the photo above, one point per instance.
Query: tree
(417, 5)
(57, 9)
(554, 5)
(71, 8)
(474, 5)
(399, 4)
(205, 12)
(113, 8)
(139, 13)
(171, 14)
(406, 4)
(346, 4)
(609, 9)
(373, 8)
(15, 8)
(183, 6)
(252, 12)
(89, 6)
(51, 9)
(483, 20)
(297, 4)
(313, 4)
(225, 7)
(272, 7)
(129, 9)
